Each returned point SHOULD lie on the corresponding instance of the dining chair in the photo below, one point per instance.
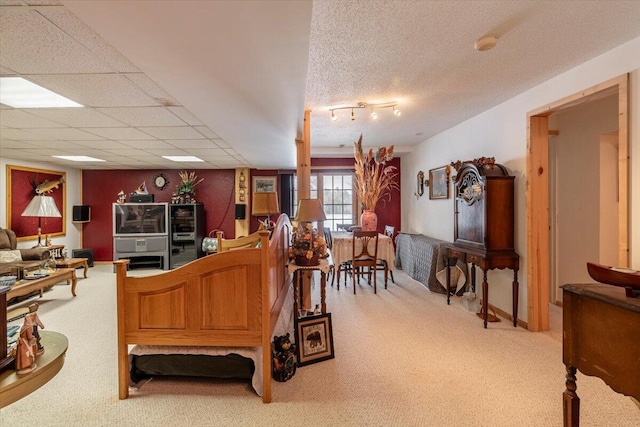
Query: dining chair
(367, 257)
(345, 227)
(327, 238)
(382, 264)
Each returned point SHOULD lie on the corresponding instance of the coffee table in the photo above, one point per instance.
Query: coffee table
(73, 263)
(25, 286)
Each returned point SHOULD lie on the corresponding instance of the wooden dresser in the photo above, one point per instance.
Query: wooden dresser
(601, 337)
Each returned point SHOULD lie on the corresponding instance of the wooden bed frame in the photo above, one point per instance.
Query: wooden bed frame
(229, 299)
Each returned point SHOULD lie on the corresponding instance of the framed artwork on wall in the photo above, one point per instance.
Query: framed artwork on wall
(23, 184)
(439, 183)
(314, 339)
(265, 184)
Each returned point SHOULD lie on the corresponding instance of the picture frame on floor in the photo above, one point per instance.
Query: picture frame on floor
(314, 339)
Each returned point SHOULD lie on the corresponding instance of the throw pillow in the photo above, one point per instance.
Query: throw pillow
(10, 256)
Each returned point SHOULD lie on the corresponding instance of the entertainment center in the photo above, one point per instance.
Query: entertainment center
(141, 233)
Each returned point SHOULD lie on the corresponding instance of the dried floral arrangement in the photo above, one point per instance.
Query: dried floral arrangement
(480, 162)
(307, 243)
(373, 179)
(188, 183)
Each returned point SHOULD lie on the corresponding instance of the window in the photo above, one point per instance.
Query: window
(335, 191)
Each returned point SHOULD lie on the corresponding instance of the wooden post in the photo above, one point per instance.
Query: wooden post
(303, 171)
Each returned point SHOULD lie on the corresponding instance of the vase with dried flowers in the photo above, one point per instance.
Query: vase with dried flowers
(374, 181)
(187, 185)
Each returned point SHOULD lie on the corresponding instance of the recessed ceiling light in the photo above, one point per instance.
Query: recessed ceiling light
(79, 158)
(183, 158)
(17, 92)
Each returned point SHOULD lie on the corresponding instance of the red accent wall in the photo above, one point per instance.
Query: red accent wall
(100, 190)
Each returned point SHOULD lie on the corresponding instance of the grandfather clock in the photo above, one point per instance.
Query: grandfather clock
(484, 226)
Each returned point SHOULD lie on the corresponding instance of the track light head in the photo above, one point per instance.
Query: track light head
(333, 116)
(353, 116)
(396, 112)
(374, 115)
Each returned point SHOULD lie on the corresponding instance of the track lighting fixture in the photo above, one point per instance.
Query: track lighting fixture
(374, 114)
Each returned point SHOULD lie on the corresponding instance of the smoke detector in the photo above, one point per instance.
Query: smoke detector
(485, 43)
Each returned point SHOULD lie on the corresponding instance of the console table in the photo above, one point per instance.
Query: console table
(486, 260)
(600, 338)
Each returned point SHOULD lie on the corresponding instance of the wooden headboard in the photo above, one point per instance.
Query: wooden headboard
(231, 298)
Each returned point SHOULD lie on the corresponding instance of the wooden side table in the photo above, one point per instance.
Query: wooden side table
(486, 260)
(324, 267)
(73, 263)
(14, 387)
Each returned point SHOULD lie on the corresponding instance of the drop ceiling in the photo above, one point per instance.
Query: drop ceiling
(229, 81)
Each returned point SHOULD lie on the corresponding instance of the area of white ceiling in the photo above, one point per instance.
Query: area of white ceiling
(228, 81)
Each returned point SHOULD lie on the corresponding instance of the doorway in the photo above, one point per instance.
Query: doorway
(537, 193)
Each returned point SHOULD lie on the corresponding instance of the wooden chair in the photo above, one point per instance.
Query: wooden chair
(366, 258)
(345, 227)
(382, 264)
(250, 241)
(327, 238)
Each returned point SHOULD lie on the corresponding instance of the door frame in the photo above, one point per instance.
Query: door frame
(537, 191)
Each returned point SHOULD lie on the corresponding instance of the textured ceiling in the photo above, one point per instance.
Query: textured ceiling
(229, 81)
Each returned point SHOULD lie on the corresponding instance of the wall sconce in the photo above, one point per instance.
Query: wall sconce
(242, 185)
(374, 114)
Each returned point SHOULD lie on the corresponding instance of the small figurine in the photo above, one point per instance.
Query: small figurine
(47, 241)
(122, 197)
(35, 321)
(26, 349)
(284, 358)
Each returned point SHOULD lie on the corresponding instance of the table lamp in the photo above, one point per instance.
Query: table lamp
(310, 210)
(265, 204)
(42, 206)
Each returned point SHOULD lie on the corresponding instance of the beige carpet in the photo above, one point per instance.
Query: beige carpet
(402, 358)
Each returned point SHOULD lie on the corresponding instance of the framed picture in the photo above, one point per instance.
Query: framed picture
(314, 339)
(265, 184)
(439, 183)
(22, 184)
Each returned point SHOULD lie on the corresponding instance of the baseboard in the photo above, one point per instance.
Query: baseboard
(508, 316)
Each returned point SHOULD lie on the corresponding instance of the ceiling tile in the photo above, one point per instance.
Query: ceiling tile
(23, 118)
(149, 144)
(182, 132)
(151, 88)
(185, 115)
(144, 116)
(21, 135)
(70, 134)
(77, 117)
(192, 143)
(118, 134)
(206, 132)
(102, 144)
(96, 90)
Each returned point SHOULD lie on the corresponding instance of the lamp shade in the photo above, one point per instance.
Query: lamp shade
(310, 210)
(42, 206)
(264, 204)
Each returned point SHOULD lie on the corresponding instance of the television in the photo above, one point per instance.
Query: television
(136, 219)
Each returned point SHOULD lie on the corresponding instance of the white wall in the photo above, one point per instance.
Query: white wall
(72, 239)
(502, 132)
(578, 186)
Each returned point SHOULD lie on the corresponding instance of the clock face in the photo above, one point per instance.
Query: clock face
(160, 182)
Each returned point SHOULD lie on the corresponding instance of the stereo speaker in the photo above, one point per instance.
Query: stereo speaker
(81, 213)
(141, 198)
(83, 253)
(241, 211)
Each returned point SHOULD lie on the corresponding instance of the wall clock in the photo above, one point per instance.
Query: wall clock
(160, 181)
